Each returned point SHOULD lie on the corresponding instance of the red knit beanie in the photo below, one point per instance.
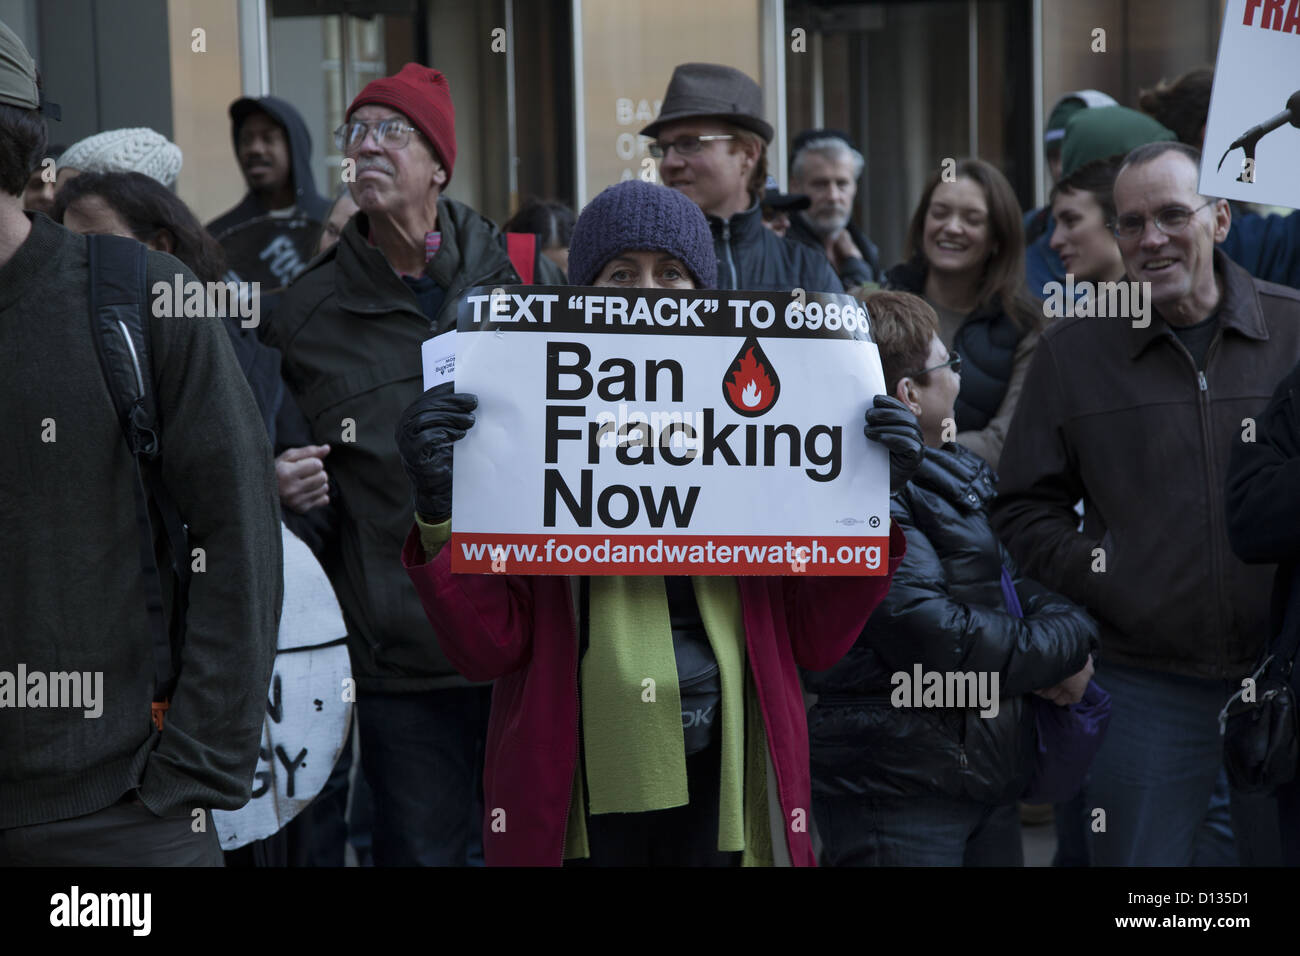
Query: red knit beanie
(421, 93)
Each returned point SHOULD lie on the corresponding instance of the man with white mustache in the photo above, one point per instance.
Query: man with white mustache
(1139, 422)
(826, 167)
(350, 330)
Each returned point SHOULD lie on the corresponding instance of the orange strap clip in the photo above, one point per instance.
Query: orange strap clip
(158, 708)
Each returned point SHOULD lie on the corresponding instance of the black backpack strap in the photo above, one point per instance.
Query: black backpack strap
(119, 296)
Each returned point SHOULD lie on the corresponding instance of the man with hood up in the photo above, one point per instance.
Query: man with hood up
(268, 237)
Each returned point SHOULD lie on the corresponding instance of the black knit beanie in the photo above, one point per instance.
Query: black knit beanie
(639, 216)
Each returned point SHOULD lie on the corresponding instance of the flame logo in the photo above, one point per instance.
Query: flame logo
(751, 385)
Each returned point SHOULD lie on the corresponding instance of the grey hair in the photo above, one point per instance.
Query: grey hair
(1150, 152)
(832, 147)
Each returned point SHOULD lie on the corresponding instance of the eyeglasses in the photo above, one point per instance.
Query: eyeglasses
(391, 133)
(685, 145)
(1170, 220)
(954, 360)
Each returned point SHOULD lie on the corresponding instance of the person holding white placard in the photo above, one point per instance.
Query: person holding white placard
(590, 756)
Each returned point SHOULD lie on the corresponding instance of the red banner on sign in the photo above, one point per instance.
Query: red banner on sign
(842, 555)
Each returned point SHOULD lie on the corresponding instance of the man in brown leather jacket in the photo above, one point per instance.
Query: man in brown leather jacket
(1137, 419)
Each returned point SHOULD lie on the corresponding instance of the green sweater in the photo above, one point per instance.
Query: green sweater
(71, 597)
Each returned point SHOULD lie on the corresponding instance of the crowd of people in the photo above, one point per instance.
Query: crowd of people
(1076, 502)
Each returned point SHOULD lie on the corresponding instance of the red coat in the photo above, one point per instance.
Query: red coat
(521, 633)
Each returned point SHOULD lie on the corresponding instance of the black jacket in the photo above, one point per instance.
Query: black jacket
(1263, 500)
(754, 258)
(855, 271)
(986, 342)
(349, 330)
(945, 611)
(261, 368)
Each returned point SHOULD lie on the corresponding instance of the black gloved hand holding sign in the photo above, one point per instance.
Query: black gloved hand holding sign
(892, 423)
(425, 434)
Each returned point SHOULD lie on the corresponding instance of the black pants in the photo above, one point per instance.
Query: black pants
(125, 834)
(422, 754)
(682, 836)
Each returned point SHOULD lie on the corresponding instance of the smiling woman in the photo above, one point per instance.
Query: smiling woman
(965, 249)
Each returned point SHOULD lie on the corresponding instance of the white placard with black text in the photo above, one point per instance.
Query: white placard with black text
(667, 432)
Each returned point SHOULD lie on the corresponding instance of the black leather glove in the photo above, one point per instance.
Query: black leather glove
(892, 423)
(424, 437)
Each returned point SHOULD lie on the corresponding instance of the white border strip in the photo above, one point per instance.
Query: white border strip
(1036, 27)
(772, 37)
(579, 111)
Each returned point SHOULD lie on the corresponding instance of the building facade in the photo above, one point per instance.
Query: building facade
(549, 94)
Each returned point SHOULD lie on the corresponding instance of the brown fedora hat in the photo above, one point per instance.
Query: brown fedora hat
(713, 90)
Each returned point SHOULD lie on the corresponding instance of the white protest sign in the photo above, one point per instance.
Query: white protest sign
(1252, 143)
(438, 356)
(668, 432)
(307, 711)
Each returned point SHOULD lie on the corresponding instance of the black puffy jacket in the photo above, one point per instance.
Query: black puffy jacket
(754, 258)
(945, 611)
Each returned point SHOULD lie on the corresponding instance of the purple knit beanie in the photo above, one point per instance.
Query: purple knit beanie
(640, 216)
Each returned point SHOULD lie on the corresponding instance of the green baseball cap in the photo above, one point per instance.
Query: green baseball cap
(1066, 107)
(17, 72)
(1107, 131)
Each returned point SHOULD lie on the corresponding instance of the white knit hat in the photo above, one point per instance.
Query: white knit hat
(137, 150)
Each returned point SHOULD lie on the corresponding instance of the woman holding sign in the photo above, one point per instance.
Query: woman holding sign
(582, 764)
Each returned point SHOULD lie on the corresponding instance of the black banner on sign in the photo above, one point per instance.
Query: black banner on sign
(794, 315)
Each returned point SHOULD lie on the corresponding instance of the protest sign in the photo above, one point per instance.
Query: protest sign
(1252, 143)
(667, 432)
(308, 705)
(438, 355)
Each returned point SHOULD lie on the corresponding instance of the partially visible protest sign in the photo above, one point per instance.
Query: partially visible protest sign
(667, 432)
(438, 356)
(1256, 95)
(308, 705)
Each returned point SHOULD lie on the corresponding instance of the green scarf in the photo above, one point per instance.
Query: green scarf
(632, 732)
(612, 695)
